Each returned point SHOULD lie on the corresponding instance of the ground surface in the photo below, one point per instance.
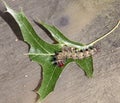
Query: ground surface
(80, 20)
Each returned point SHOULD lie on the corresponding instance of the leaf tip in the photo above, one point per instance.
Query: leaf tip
(89, 75)
(38, 101)
(38, 20)
(5, 4)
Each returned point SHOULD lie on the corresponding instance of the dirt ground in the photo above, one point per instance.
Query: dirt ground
(79, 20)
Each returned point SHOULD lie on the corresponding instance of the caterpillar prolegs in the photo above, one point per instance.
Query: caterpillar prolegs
(72, 53)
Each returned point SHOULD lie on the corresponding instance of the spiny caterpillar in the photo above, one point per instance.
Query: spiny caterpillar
(75, 53)
(72, 53)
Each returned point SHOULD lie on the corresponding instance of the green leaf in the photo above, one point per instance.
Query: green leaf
(86, 64)
(58, 36)
(43, 52)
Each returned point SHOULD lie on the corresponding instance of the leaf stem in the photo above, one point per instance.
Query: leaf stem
(102, 37)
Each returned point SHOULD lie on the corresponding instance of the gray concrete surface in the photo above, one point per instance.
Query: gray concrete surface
(79, 20)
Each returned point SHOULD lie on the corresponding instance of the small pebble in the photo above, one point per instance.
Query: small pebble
(24, 86)
(26, 76)
(16, 39)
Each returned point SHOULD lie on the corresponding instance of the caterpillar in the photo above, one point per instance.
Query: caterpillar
(75, 53)
(72, 53)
